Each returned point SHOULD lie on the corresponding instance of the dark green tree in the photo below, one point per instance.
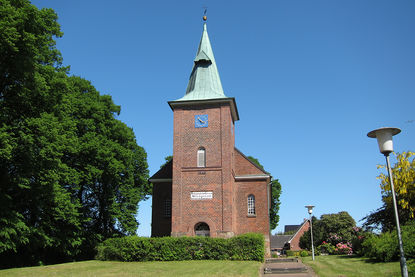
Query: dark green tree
(275, 197)
(332, 228)
(71, 174)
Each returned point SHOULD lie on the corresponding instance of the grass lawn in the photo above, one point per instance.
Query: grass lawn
(350, 266)
(158, 269)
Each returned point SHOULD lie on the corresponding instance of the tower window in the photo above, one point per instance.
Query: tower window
(251, 205)
(167, 207)
(201, 157)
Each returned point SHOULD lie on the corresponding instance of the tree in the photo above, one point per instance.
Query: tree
(71, 174)
(275, 197)
(332, 228)
(403, 172)
(166, 160)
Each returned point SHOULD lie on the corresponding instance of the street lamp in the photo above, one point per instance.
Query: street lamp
(310, 211)
(384, 137)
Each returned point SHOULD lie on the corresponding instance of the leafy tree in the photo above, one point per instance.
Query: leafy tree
(403, 172)
(331, 228)
(167, 160)
(71, 174)
(275, 197)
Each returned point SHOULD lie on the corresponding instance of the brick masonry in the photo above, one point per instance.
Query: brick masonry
(226, 212)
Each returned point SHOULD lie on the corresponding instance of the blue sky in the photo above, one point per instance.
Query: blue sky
(311, 78)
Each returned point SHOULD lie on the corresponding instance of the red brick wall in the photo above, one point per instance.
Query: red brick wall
(295, 241)
(218, 141)
(260, 222)
(226, 213)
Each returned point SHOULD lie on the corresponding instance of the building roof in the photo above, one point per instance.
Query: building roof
(204, 82)
(204, 85)
(279, 241)
(164, 174)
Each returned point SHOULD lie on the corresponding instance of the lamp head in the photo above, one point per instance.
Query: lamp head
(310, 209)
(384, 137)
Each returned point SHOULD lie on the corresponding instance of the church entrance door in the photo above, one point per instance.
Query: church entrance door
(202, 230)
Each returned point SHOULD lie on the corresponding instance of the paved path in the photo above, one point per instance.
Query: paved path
(286, 268)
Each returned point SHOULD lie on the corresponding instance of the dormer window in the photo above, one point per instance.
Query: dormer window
(201, 157)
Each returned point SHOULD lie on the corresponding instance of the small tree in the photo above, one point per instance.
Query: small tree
(403, 172)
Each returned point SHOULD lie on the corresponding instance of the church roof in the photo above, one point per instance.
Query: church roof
(204, 82)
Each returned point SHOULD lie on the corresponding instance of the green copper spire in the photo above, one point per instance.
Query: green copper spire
(204, 81)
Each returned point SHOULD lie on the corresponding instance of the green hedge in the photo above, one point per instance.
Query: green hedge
(385, 248)
(244, 247)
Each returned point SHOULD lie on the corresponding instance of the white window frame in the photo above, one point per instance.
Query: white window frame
(201, 157)
(251, 204)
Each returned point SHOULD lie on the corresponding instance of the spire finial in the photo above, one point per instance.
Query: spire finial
(204, 14)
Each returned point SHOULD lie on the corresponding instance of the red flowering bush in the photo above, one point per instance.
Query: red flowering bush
(343, 248)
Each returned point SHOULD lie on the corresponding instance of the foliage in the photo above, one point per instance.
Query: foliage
(291, 253)
(244, 247)
(403, 172)
(385, 248)
(343, 248)
(275, 197)
(326, 248)
(71, 174)
(331, 228)
(142, 269)
(304, 253)
(167, 160)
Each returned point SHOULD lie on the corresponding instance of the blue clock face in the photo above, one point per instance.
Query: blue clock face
(201, 120)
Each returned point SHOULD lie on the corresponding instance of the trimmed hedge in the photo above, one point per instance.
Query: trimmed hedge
(128, 249)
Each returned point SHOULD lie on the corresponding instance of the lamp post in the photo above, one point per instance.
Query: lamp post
(384, 137)
(310, 211)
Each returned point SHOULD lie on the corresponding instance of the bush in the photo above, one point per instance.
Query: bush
(326, 248)
(343, 248)
(244, 247)
(304, 253)
(291, 253)
(385, 247)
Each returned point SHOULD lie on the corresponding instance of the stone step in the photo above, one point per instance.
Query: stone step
(282, 260)
(268, 270)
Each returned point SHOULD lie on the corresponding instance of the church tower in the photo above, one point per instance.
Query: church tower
(203, 146)
(209, 188)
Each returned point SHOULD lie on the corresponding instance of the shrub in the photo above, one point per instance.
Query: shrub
(133, 248)
(326, 248)
(304, 253)
(343, 248)
(385, 247)
(291, 253)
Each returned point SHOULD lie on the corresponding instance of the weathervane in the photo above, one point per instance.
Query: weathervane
(204, 14)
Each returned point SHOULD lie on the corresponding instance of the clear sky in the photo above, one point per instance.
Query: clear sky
(311, 78)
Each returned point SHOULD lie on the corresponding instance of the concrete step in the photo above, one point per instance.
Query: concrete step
(281, 260)
(286, 270)
(268, 270)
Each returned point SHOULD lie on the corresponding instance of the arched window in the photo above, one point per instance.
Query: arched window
(201, 157)
(251, 204)
(167, 207)
(202, 230)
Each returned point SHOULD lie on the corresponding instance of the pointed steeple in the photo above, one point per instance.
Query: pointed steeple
(204, 85)
(204, 82)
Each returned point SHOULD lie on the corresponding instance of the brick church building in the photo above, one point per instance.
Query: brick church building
(210, 188)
